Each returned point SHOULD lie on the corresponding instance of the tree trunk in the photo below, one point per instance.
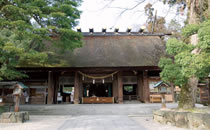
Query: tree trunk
(208, 85)
(208, 5)
(172, 92)
(188, 94)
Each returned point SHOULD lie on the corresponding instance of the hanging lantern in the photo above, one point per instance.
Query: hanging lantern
(93, 81)
(103, 81)
(83, 77)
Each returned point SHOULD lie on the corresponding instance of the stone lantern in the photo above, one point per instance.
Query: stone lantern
(17, 91)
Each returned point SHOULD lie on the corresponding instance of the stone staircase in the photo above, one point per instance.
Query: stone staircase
(140, 109)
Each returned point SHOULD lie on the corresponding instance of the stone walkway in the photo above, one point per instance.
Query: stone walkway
(99, 122)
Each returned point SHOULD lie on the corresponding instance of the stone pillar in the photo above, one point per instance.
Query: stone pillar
(140, 86)
(115, 88)
(146, 91)
(76, 88)
(50, 88)
(120, 87)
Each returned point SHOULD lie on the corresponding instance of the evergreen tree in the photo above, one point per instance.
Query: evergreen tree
(29, 27)
(182, 65)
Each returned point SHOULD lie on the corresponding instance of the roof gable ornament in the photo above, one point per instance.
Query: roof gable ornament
(141, 32)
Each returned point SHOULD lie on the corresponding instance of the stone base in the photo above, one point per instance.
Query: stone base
(14, 117)
(200, 121)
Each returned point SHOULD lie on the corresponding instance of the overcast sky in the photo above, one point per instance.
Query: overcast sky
(96, 15)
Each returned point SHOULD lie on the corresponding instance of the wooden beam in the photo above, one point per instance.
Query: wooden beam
(50, 88)
(120, 87)
(87, 69)
(76, 88)
(146, 91)
(140, 86)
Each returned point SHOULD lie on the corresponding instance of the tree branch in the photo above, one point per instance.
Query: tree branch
(135, 6)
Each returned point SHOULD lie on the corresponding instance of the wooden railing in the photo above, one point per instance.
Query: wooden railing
(156, 98)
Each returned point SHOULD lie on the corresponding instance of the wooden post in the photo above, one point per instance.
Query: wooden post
(76, 88)
(115, 88)
(50, 88)
(28, 91)
(140, 86)
(146, 91)
(2, 94)
(80, 88)
(120, 87)
(56, 87)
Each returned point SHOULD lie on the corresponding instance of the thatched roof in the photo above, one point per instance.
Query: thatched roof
(117, 51)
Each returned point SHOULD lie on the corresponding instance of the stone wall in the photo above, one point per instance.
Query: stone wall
(14, 117)
(198, 121)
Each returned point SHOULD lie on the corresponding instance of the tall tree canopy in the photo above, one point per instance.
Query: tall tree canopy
(190, 57)
(29, 27)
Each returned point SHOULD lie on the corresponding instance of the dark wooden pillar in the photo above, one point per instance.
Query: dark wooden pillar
(140, 86)
(80, 88)
(56, 87)
(120, 87)
(29, 95)
(146, 91)
(115, 88)
(50, 88)
(2, 94)
(76, 88)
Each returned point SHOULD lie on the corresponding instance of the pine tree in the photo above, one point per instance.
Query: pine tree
(29, 27)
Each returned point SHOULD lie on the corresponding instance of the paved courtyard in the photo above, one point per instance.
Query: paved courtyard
(91, 117)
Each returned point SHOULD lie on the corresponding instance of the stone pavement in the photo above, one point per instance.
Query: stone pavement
(98, 122)
(91, 117)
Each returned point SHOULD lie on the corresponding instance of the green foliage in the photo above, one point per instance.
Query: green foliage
(29, 27)
(204, 36)
(171, 72)
(182, 63)
(174, 46)
(190, 29)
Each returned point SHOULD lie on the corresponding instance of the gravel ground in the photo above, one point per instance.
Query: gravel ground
(88, 122)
